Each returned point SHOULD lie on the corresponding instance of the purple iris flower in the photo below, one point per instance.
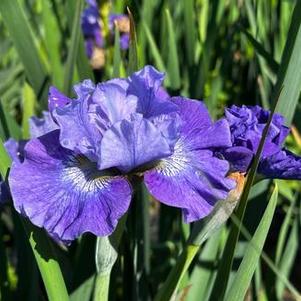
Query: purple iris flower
(123, 25)
(125, 41)
(91, 28)
(247, 124)
(76, 178)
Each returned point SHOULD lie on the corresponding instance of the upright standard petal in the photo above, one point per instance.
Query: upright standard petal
(146, 85)
(84, 121)
(282, 165)
(169, 126)
(84, 88)
(77, 132)
(134, 142)
(56, 99)
(67, 195)
(192, 178)
(111, 104)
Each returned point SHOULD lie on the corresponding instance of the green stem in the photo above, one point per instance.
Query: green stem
(106, 254)
(102, 285)
(174, 278)
(141, 241)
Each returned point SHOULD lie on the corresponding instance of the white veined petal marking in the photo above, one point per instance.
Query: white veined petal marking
(176, 163)
(82, 175)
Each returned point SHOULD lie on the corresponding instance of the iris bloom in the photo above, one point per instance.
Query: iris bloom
(247, 124)
(77, 177)
(123, 25)
(91, 28)
(95, 37)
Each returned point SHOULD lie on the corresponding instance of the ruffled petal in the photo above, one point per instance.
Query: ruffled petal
(67, 195)
(112, 104)
(282, 165)
(77, 132)
(239, 158)
(197, 127)
(121, 82)
(41, 126)
(84, 88)
(148, 76)
(129, 144)
(192, 181)
(56, 99)
(169, 125)
(193, 178)
(145, 84)
(194, 114)
(15, 149)
(215, 136)
(247, 124)
(252, 141)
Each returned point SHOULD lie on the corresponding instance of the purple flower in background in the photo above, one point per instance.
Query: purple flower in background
(123, 25)
(94, 38)
(125, 41)
(76, 177)
(91, 28)
(247, 124)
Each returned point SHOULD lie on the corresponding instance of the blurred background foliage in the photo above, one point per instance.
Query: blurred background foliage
(221, 51)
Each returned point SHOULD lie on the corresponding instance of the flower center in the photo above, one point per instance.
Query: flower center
(174, 164)
(83, 175)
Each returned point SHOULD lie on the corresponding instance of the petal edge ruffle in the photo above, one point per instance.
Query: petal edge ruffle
(67, 195)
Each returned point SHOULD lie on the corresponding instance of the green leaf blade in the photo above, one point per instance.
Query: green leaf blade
(289, 75)
(173, 68)
(74, 47)
(250, 260)
(21, 33)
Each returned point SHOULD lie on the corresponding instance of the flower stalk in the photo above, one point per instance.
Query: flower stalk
(102, 286)
(106, 255)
